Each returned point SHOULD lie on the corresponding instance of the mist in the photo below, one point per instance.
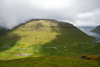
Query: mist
(76, 12)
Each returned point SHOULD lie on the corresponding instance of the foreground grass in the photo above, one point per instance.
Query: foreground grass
(49, 62)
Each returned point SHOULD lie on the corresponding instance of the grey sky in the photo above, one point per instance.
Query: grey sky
(77, 12)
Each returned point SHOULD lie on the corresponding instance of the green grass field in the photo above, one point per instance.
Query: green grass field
(49, 62)
(41, 38)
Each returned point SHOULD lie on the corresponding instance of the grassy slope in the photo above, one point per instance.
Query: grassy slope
(46, 34)
(49, 62)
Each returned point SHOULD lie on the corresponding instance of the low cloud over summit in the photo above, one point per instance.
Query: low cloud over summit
(77, 12)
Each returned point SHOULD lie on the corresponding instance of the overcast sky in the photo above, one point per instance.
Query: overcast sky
(77, 12)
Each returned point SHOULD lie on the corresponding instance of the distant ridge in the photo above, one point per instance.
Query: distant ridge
(96, 30)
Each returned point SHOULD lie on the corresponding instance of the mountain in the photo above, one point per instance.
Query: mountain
(96, 30)
(42, 32)
(46, 41)
(45, 37)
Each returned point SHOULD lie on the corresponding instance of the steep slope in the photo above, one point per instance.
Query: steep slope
(97, 29)
(45, 37)
(39, 32)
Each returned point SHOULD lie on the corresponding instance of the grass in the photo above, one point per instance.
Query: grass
(49, 62)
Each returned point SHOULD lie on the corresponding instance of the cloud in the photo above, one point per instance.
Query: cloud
(88, 18)
(77, 12)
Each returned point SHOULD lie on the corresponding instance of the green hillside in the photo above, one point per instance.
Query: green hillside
(45, 37)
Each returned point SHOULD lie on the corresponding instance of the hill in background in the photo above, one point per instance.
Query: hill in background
(96, 30)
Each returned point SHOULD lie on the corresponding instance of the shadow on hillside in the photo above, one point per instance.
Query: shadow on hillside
(8, 41)
(2, 32)
(68, 35)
